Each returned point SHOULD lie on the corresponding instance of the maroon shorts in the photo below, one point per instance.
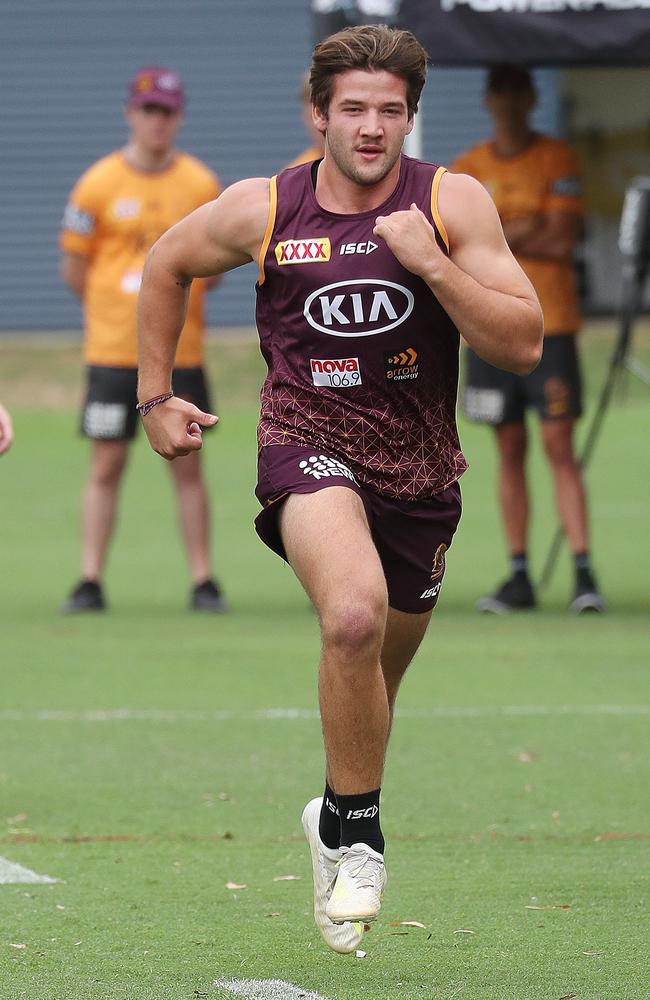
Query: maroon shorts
(411, 536)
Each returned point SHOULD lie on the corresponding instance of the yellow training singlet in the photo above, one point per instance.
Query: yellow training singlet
(543, 178)
(113, 217)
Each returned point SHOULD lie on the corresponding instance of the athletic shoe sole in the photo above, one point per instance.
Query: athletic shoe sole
(588, 602)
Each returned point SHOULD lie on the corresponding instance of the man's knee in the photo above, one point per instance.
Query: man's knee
(353, 630)
(513, 441)
(187, 471)
(108, 463)
(558, 444)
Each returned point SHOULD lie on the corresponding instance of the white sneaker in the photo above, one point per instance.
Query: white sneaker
(342, 937)
(359, 885)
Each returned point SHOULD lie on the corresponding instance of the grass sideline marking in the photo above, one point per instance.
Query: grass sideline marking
(291, 714)
(10, 873)
(266, 989)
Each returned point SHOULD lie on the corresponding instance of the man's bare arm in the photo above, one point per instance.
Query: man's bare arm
(480, 285)
(73, 270)
(217, 237)
(488, 296)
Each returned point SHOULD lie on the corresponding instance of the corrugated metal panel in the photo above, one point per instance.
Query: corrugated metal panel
(66, 66)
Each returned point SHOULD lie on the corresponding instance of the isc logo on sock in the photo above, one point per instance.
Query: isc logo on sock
(368, 813)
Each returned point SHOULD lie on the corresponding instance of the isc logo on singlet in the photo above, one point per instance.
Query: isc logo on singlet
(362, 307)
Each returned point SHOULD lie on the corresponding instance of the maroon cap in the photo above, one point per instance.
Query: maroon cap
(157, 85)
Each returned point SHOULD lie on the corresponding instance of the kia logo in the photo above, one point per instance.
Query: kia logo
(374, 307)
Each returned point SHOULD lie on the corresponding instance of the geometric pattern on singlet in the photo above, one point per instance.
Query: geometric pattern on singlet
(398, 436)
(425, 470)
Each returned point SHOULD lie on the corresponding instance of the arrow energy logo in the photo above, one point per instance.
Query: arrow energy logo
(401, 366)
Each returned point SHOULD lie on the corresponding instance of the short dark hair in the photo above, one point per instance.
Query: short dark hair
(370, 47)
(508, 78)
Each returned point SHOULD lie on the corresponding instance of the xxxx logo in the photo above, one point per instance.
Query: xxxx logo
(303, 251)
(403, 359)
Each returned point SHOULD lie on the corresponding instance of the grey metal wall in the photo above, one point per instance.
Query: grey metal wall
(64, 66)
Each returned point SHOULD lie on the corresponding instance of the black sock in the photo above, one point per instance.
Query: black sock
(360, 820)
(584, 576)
(329, 826)
(519, 563)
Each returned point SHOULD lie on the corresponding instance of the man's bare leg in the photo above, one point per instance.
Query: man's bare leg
(328, 544)
(404, 633)
(516, 592)
(99, 504)
(557, 437)
(193, 513)
(571, 501)
(512, 444)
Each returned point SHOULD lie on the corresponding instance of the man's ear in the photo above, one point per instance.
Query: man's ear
(319, 119)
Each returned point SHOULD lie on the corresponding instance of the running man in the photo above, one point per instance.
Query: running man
(371, 264)
(535, 184)
(117, 210)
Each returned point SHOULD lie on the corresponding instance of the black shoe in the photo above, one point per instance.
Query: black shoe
(207, 596)
(516, 594)
(87, 596)
(586, 596)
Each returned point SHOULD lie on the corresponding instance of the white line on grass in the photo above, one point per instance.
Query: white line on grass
(292, 714)
(266, 989)
(11, 872)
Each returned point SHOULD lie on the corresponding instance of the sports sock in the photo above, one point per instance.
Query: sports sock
(360, 820)
(329, 825)
(519, 563)
(584, 576)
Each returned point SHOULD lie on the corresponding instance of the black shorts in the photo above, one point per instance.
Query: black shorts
(411, 536)
(109, 412)
(554, 389)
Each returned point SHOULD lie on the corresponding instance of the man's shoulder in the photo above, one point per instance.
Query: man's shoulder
(194, 167)
(104, 168)
(477, 154)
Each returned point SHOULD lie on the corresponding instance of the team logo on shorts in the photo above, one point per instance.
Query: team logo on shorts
(312, 250)
(557, 396)
(337, 373)
(401, 366)
(436, 573)
(322, 467)
(438, 563)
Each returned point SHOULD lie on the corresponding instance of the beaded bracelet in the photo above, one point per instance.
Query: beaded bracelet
(148, 405)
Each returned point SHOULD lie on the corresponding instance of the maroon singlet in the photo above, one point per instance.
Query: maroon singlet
(362, 358)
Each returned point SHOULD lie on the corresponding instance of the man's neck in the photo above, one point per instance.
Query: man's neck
(143, 159)
(511, 141)
(340, 194)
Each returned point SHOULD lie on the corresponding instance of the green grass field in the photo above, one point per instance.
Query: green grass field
(149, 757)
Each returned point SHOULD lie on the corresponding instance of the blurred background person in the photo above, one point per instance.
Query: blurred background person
(6, 430)
(116, 211)
(317, 149)
(535, 184)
